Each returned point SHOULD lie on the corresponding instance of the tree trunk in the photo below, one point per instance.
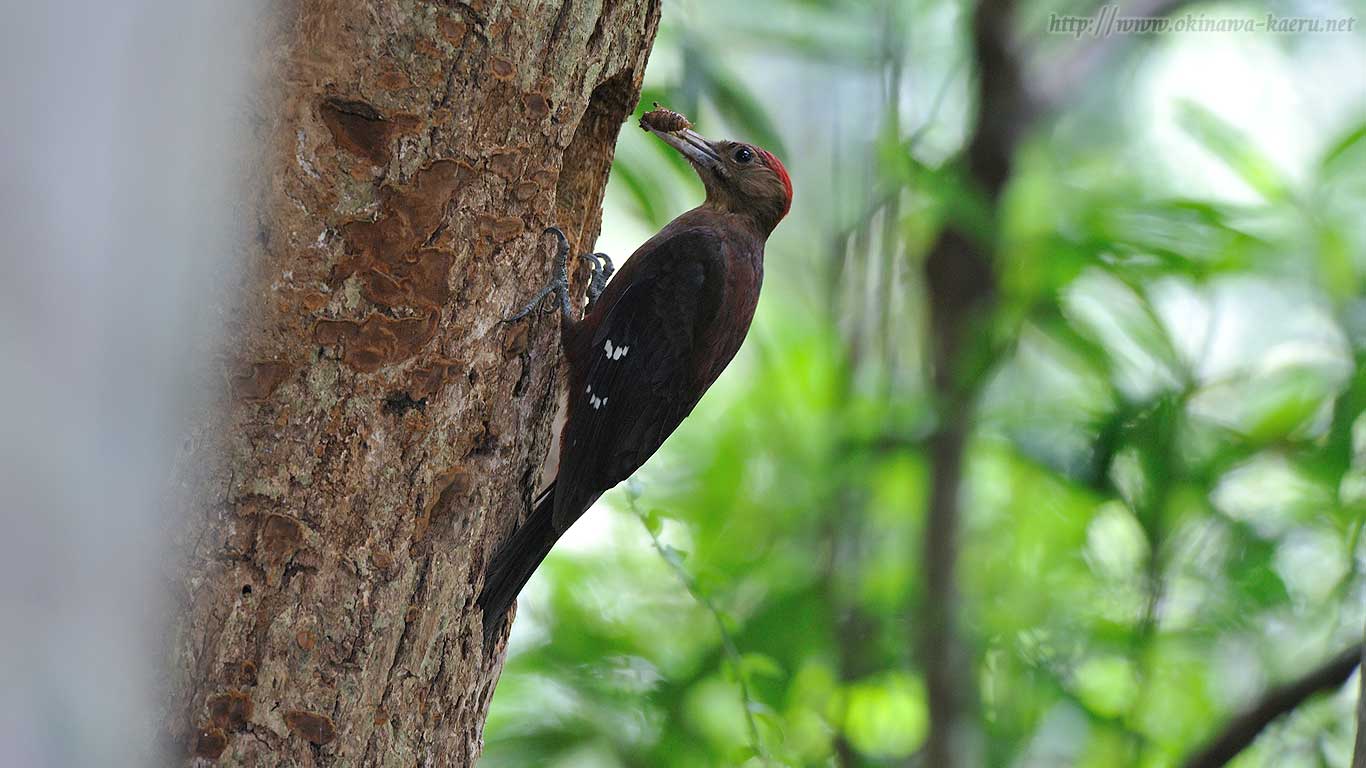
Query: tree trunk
(385, 429)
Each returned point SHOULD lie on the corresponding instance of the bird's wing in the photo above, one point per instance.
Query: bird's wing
(640, 378)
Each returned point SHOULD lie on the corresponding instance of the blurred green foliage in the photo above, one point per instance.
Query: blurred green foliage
(1166, 482)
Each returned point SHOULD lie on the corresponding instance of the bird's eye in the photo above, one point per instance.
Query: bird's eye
(744, 155)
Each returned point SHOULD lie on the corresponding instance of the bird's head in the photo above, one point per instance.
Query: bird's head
(740, 178)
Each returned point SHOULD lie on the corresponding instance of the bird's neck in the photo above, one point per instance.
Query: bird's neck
(749, 224)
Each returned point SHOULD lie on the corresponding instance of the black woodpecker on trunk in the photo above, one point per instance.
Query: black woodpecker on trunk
(652, 341)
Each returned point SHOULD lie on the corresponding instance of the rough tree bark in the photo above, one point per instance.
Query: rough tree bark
(384, 429)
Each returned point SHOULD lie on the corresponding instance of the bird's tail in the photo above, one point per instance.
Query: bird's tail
(512, 566)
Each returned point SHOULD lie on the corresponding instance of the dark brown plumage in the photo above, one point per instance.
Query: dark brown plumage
(652, 343)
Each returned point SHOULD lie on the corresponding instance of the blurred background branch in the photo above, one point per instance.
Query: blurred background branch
(1359, 751)
(674, 559)
(1242, 730)
(960, 279)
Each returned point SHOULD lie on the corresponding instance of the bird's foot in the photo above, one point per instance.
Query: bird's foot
(559, 283)
(602, 271)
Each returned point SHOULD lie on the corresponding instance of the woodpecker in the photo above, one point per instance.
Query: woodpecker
(650, 342)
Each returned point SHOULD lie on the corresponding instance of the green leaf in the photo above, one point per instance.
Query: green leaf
(760, 665)
(1343, 148)
(641, 192)
(886, 716)
(738, 107)
(958, 200)
(1108, 684)
(653, 522)
(1227, 142)
(1337, 272)
(674, 556)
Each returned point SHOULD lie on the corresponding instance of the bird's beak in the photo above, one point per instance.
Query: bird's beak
(693, 146)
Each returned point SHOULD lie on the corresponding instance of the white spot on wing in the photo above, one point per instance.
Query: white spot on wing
(614, 353)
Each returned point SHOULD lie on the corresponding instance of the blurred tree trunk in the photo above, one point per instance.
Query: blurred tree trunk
(961, 279)
(384, 428)
(1359, 747)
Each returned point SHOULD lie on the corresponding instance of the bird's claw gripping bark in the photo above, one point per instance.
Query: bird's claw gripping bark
(602, 270)
(559, 284)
